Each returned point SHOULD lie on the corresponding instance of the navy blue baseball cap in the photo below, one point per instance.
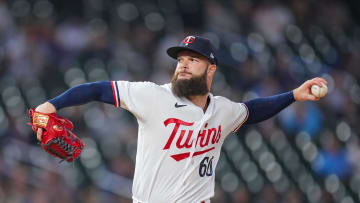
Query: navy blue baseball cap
(196, 44)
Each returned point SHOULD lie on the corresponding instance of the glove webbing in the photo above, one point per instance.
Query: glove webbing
(62, 144)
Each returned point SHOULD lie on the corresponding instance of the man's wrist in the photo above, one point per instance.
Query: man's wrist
(294, 94)
(46, 107)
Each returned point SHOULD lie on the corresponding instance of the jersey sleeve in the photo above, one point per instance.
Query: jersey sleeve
(136, 97)
(240, 114)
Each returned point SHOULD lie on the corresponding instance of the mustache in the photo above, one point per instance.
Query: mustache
(184, 72)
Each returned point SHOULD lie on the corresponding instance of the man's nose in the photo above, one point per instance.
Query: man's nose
(183, 65)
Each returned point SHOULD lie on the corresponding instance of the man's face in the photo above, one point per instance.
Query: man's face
(190, 77)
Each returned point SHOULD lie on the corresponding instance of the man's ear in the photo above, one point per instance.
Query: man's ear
(212, 69)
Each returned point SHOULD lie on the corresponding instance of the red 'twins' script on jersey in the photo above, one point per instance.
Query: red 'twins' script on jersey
(204, 138)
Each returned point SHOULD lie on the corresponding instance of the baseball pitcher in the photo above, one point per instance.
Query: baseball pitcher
(182, 126)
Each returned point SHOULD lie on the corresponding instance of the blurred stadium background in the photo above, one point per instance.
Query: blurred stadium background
(308, 153)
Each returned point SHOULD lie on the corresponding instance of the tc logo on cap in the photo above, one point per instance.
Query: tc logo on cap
(188, 40)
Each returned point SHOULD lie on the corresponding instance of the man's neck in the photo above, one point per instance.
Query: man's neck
(200, 101)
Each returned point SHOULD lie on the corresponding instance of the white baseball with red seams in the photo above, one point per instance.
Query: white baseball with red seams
(178, 144)
(319, 91)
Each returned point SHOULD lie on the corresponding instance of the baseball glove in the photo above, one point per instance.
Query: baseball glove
(57, 138)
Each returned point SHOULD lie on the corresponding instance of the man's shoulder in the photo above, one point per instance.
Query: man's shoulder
(144, 92)
(164, 87)
(221, 99)
(148, 87)
(227, 106)
(142, 84)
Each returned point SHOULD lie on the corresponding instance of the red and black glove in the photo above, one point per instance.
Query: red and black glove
(57, 138)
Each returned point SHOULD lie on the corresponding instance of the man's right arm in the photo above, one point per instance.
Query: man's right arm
(81, 94)
(84, 93)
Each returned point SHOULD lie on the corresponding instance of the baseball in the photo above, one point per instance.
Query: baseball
(319, 91)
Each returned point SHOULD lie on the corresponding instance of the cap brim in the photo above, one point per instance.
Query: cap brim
(173, 51)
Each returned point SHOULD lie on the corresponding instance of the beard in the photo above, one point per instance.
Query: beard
(196, 85)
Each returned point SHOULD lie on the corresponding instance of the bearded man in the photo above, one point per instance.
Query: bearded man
(182, 126)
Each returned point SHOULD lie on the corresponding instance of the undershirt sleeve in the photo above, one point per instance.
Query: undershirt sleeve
(84, 93)
(261, 109)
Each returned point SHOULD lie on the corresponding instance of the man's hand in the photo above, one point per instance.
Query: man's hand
(57, 137)
(46, 107)
(303, 93)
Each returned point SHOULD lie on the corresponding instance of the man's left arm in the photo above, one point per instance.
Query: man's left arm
(261, 109)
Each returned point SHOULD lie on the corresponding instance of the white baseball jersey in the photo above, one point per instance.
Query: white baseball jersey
(178, 144)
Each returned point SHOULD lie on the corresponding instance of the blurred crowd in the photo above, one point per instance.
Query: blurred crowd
(307, 153)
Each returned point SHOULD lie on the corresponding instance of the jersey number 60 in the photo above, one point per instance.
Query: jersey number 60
(205, 167)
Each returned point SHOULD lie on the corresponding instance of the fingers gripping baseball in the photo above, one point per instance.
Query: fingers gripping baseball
(304, 93)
